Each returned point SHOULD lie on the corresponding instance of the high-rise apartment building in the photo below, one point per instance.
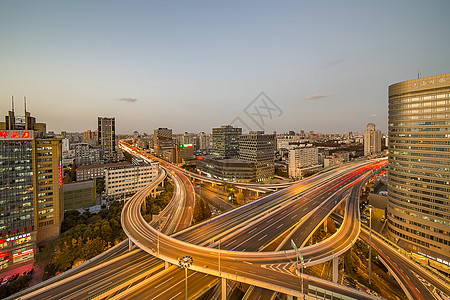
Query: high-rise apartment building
(162, 141)
(372, 140)
(107, 138)
(204, 141)
(226, 141)
(31, 198)
(300, 159)
(259, 148)
(419, 166)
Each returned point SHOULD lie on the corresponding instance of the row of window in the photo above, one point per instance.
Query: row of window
(420, 98)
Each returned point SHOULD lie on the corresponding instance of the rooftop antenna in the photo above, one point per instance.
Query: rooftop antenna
(418, 74)
(12, 102)
(25, 104)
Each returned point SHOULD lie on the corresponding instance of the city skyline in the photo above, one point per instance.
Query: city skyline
(194, 67)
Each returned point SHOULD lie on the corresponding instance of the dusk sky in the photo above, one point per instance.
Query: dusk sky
(194, 65)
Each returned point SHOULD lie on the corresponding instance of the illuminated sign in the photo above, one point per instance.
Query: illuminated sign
(26, 252)
(60, 174)
(13, 238)
(201, 158)
(16, 134)
(185, 145)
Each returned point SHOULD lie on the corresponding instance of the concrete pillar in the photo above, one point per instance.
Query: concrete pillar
(342, 207)
(257, 194)
(166, 265)
(325, 225)
(335, 269)
(224, 288)
(130, 245)
(289, 297)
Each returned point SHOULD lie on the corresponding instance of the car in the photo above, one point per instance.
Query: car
(5, 280)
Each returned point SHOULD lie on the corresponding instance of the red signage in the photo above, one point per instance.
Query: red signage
(16, 134)
(60, 174)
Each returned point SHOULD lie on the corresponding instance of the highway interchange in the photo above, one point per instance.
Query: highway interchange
(245, 229)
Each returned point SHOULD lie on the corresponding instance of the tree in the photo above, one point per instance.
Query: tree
(240, 198)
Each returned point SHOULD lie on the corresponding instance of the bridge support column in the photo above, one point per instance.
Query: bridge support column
(166, 265)
(325, 225)
(257, 194)
(289, 297)
(130, 245)
(224, 288)
(342, 207)
(335, 269)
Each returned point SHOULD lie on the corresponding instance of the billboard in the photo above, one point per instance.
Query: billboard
(16, 135)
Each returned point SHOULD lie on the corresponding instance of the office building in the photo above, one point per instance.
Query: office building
(204, 141)
(226, 141)
(107, 138)
(419, 166)
(228, 169)
(31, 199)
(162, 141)
(125, 180)
(182, 153)
(302, 160)
(86, 154)
(259, 148)
(372, 140)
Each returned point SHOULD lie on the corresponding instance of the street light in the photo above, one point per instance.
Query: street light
(302, 263)
(370, 243)
(185, 262)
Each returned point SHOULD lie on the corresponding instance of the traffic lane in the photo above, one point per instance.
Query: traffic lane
(172, 286)
(214, 198)
(124, 268)
(406, 271)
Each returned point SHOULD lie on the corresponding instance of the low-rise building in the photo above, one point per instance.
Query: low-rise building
(79, 195)
(95, 171)
(121, 181)
(229, 169)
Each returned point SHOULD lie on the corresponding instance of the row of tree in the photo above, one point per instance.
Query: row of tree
(154, 205)
(83, 237)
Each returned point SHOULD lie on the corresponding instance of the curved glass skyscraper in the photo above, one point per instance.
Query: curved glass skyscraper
(419, 166)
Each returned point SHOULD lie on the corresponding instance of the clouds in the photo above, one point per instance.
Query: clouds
(373, 115)
(129, 100)
(318, 96)
(334, 62)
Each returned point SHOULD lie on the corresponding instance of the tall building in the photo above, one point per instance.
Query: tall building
(204, 141)
(162, 141)
(419, 166)
(372, 140)
(259, 148)
(107, 138)
(31, 197)
(226, 141)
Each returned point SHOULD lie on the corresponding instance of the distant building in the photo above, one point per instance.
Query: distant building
(333, 159)
(259, 148)
(122, 181)
(107, 138)
(79, 195)
(86, 154)
(204, 141)
(226, 141)
(182, 153)
(89, 172)
(372, 140)
(419, 159)
(163, 141)
(301, 160)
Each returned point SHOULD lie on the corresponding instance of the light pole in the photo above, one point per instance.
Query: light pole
(302, 263)
(219, 256)
(185, 262)
(370, 243)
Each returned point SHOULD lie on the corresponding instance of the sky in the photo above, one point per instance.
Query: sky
(194, 65)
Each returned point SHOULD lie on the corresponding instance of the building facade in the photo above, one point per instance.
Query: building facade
(301, 159)
(162, 141)
(107, 138)
(86, 154)
(372, 140)
(31, 199)
(228, 169)
(226, 141)
(419, 166)
(259, 148)
(122, 181)
(79, 195)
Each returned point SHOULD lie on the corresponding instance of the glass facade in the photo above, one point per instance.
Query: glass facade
(16, 187)
(419, 166)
